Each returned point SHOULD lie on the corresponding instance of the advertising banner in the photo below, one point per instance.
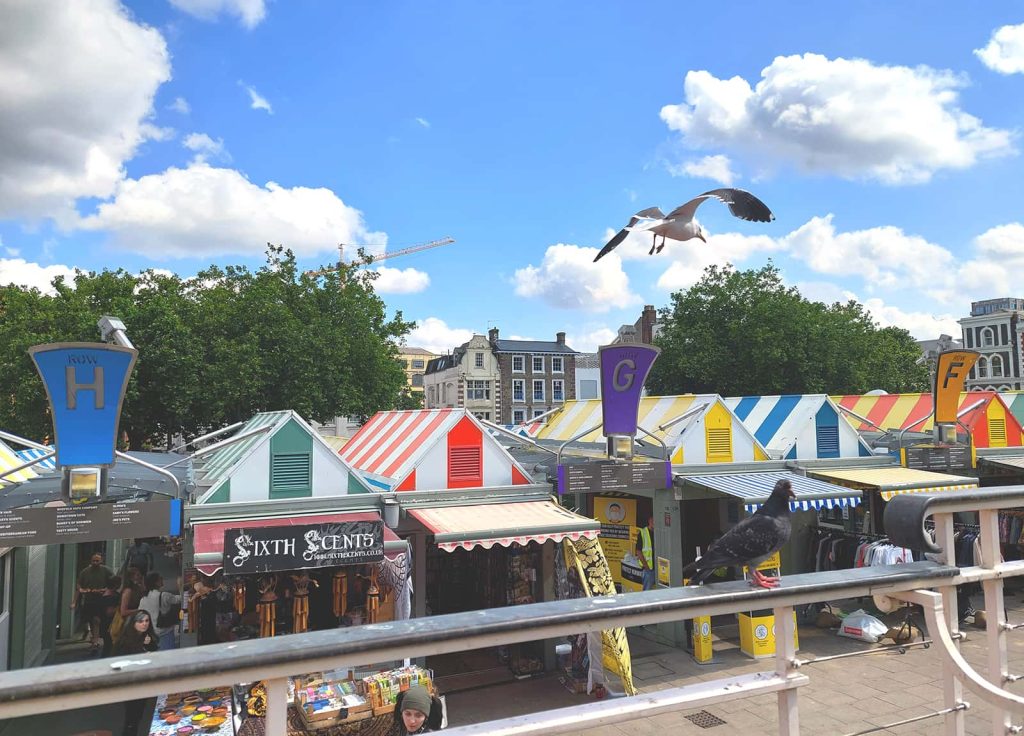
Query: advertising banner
(280, 548)
(618, 536)
(951, 371)
(624, 369)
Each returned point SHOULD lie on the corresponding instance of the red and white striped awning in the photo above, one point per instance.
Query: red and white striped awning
(504, 524)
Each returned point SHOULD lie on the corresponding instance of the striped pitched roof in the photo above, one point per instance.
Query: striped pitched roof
(912, 412)
(392, 442)
(577, 415)
(10, 459)
(1015, 401)
(32, 453)
(219, 464)
(778, 421)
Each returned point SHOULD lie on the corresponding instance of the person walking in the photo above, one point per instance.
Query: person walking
(139, 555)
(416, 711)
(645, 552)
(138, 637)
(110, 601)
(132, 591)
(162, 608)
(92, 584)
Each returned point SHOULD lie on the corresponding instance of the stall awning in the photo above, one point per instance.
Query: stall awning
(1013, 462)
(209, 536)
(895, 480)
(754, 488)
(504, 524)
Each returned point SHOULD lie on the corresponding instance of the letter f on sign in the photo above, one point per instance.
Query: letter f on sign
(952, 373)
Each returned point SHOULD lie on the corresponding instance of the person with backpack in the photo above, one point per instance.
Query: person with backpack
(139, 555)
(163, 609)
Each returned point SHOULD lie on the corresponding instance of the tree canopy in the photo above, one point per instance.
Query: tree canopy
(741, 333)
(216, 348)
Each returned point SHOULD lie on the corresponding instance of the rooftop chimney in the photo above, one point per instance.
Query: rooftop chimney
(492, 334)
(560, 338)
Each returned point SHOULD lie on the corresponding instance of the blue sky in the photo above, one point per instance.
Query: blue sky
(172, 134)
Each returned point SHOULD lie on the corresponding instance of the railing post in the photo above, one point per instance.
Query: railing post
(952, 687)
(277, 707)
(785, 654)
(995, 618)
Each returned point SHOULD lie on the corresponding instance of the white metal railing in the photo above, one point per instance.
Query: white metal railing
(86, 684)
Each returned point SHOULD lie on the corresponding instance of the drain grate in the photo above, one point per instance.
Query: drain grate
(704, 719)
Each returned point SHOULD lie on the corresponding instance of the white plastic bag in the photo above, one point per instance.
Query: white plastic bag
(863, 626)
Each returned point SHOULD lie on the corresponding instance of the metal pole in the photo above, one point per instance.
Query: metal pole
(29, 464)
(209, 435)
(995, 616)
(952, 687)
(22, 441)
(785, 654)
(155, 469)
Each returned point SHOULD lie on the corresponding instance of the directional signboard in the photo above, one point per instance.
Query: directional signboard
(600, 477)
(27, 526)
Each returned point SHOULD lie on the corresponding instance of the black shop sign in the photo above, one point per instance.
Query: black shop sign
(280, 548)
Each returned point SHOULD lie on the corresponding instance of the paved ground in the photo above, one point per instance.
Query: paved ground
(844, 696)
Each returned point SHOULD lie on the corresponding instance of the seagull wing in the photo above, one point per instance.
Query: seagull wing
(742, 204)
(653, 212)
(613, 243)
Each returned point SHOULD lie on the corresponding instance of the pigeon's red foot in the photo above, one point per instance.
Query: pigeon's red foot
(763, 581)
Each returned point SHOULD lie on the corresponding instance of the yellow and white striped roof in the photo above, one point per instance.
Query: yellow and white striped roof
(10, 459)
(577, 415)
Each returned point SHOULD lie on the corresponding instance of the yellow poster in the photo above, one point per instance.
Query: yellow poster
(618, 535)
(664, 572)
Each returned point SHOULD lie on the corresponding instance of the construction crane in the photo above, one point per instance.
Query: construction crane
(384, 256)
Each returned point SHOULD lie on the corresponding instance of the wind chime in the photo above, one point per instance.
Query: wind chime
(267, 607)
(372, 598)
(239, 599)
(339, 588)
(199, 592)
(300, 602)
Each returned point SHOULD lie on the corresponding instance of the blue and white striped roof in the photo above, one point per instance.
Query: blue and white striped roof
(755, 488)
(32, 453)
(799, 427)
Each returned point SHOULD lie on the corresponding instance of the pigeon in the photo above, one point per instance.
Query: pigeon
(750, 542)
(679, 224)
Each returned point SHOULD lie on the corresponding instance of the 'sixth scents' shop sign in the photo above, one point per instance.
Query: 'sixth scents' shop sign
(279, 548)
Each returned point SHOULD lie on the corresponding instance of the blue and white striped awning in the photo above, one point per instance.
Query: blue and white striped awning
(754, 488)
(32, 453)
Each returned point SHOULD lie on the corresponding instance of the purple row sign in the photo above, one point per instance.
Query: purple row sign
(624, 369)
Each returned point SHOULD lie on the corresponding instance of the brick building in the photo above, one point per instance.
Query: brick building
(535, 376)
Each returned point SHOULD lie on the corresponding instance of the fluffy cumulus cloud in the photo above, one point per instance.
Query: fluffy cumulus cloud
(248, 12)
(717, 168)
(77, 80)
(400, 280)
(180, 105)
(20, 272)
(568, 278)
(691, 257)
(205, 147)
(435, 335)
(202, 211)
(589, 340)
(922, 325)
(997, 265)
(1005, 50)
(847, 117)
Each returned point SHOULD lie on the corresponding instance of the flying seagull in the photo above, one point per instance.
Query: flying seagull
(679, 223)
(750, 542)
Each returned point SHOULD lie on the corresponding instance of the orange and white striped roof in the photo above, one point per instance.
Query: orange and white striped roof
(912, 412)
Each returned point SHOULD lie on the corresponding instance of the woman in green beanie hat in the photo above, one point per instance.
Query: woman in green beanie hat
(416, 712)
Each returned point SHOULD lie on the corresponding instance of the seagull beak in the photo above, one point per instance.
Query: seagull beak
(701, 236)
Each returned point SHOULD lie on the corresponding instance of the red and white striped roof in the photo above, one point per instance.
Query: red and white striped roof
(394, 444)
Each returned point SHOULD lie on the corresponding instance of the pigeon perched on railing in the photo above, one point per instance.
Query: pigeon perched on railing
(752, 541)
(679, 224)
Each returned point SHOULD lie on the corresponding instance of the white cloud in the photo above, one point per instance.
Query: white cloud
(691, 257)
(568, 278)
(847, 117)
(1005, 50)
(249, 12)
(77, 80)
(181, 105)
(203, 211)
(997, 266)
(717, 168)
(23, 273)
(424, 122)
(400, 280)
(922, 325)
(588, 341)
(205, 147)
(258, 102)
(435, 335)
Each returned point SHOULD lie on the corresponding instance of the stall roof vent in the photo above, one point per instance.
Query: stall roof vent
(291, 471)
(464, 463)
(997, 432)
(828, 441)
(719, 441)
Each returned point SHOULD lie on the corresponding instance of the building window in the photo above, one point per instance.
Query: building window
(538, 363)
(417, 380)
(997, 366)
(538, 389)
(431, 396)
(478, 360)
(539, 412)
(587, 389)
(982, 367)
(478, 390)
(518, 363)
(484, 415)
(518, 389)
(518, 416)
(987, 339)
(417, 365)
(557, 365)
(557, 390)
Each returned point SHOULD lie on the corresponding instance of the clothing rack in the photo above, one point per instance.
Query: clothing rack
(830, 532)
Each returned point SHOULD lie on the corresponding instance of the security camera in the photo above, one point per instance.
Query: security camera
(112, 329)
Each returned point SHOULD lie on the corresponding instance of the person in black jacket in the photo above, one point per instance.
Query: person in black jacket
(138, 637)
(416, 712)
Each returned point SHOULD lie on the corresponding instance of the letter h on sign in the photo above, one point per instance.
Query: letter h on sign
(624, 369)
(85, 385)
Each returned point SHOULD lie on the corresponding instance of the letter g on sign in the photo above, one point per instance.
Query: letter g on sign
(623, 375)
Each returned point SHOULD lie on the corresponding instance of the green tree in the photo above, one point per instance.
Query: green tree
(745, 333)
